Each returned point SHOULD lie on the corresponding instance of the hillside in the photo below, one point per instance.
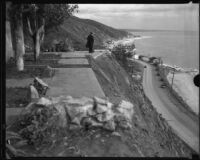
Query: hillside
(151, 136)
(74, 31)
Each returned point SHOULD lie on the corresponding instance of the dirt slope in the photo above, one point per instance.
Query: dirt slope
(151, 135)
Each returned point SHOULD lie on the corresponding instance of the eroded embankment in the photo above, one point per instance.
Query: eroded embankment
(151, 133)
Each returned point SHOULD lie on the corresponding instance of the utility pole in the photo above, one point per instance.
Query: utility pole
(173, 77)
(160, 64)
(161, 61)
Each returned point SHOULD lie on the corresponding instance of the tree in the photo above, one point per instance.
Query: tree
(15, 13)
(45, 16)
(9, 44)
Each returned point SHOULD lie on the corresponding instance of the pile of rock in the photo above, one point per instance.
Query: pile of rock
(76, 113)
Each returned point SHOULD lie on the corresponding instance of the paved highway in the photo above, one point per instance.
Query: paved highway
(185, 126)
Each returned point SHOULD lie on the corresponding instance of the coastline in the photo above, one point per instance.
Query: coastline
(193, 71)
(164, 70)
(179, 93)
(184, 89)
(130, 39)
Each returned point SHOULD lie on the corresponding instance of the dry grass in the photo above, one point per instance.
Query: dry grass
(16, 97)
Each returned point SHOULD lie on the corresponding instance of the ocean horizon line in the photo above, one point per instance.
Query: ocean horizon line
(156, 30)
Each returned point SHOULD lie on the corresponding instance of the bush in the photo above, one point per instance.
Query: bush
(123, 51)
(38, 125)
(155, 64)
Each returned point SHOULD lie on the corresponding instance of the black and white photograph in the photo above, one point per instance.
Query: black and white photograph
(101, 80)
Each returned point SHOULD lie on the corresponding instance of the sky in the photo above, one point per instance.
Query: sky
(143, 16)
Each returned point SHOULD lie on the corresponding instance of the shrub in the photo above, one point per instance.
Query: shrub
(123, 50)
(38, 125)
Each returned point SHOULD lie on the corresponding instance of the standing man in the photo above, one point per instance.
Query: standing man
(90, 42)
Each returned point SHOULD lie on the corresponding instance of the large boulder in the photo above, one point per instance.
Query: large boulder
(100, 101)
(63, 119)
(101, 108)
(126, 109)
(122, 121)
(44, 101)
(79, 101)
(40, 85)
(110, 125)
(32, 93)
(78, 108)
(106, 116)
(91, 122)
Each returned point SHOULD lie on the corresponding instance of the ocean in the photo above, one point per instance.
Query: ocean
(175, 47)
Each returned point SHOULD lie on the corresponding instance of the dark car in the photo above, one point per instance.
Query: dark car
(145, 66)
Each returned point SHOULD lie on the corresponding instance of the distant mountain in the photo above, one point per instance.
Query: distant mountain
(74, 31)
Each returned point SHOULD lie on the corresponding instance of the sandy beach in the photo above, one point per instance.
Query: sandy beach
(184, 86)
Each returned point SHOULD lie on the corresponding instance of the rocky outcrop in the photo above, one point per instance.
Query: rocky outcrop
(87, 112)
(45, 117)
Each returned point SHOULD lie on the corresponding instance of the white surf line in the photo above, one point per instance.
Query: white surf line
(142, 37)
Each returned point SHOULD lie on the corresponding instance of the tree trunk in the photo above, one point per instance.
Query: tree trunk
(38, 36)
(9, 47)
(19, 40)
(10, 44)
(20, 63)
(36, 40)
